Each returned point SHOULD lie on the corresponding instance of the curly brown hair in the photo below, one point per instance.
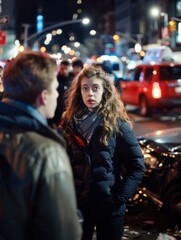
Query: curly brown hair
(111, 107)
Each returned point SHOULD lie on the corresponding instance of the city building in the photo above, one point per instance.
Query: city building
(130, 20)
(7, 30)
(102, 15)
(135, 21)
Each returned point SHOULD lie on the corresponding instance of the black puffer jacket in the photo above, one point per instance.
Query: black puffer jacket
(106, 176)
(37, 198)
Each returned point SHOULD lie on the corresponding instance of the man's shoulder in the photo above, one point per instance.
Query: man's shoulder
(40, 140)
(51, 153)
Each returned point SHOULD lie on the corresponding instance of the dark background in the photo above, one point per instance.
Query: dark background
(54, 11)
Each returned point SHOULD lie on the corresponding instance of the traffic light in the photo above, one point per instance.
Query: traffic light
(172, 26)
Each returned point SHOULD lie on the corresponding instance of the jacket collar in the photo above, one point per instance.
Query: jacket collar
(29, 109)
(18, 118)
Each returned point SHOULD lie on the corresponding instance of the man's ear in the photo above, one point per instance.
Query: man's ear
(41, 98)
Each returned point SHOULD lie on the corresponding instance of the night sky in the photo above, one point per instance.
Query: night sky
(54, 11)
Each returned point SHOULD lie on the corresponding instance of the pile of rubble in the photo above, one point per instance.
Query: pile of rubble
(150, 235)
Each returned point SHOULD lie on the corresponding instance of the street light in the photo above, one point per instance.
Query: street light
(156, 12)
(26, 27)
(54, 26)
(130, 37)
(165, 16)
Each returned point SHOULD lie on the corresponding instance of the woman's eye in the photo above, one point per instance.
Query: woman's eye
(84, 89)
(95, 88)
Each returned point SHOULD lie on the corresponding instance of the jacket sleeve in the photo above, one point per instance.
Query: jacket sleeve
(133, 161)
(55, 213)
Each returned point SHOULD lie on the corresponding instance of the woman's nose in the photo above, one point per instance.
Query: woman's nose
(90, 92)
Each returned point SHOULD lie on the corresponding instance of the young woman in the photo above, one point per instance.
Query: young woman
(106, 159)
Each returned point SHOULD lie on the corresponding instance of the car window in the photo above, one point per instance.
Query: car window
(148, 74)
(170, 73)
(115, 67)
(138, 76)
(128, 75)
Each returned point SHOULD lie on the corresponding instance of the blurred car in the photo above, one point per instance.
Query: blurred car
(162, 178)
(153, 86)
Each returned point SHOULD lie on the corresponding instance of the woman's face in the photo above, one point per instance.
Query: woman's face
(91, 91)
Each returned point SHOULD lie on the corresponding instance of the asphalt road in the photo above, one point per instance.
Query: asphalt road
(158, 121)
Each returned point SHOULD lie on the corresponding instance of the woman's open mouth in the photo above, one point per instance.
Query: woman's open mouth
(90, 101)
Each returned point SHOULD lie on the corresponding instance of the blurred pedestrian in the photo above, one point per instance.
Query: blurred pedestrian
(64, 80)
(106, 158)
(1, 84)
(37, 197)
(77, 66)
(107, 67)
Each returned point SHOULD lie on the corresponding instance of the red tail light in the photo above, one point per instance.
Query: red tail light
(156, 90)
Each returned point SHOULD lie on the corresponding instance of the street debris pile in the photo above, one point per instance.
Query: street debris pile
(146, 221)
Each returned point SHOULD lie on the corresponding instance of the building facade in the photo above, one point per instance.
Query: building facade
(133, 20)
(8, 50)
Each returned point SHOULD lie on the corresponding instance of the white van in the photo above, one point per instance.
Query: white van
(158, 54)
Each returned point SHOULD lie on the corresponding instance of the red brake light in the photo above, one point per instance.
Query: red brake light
(156, 90)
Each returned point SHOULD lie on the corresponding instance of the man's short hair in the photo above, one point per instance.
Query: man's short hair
(27, 75)
(78, 63)
(65, 62)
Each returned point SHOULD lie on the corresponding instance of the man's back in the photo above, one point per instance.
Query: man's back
(37, 197)
(26, 198)
(35, 185)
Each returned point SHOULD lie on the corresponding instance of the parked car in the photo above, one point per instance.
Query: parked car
(162, 178)
(152, 86)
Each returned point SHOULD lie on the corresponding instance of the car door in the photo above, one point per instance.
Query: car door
(130, 87)
(133, 88)
(126, 81)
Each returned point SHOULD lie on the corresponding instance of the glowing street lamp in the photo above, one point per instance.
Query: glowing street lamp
(85, 21)
(92, 32)
(155, 12)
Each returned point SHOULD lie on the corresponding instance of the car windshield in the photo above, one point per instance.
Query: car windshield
(170, 73)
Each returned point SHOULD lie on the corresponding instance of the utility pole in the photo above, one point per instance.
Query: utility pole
(26, 27)
(139, 38)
